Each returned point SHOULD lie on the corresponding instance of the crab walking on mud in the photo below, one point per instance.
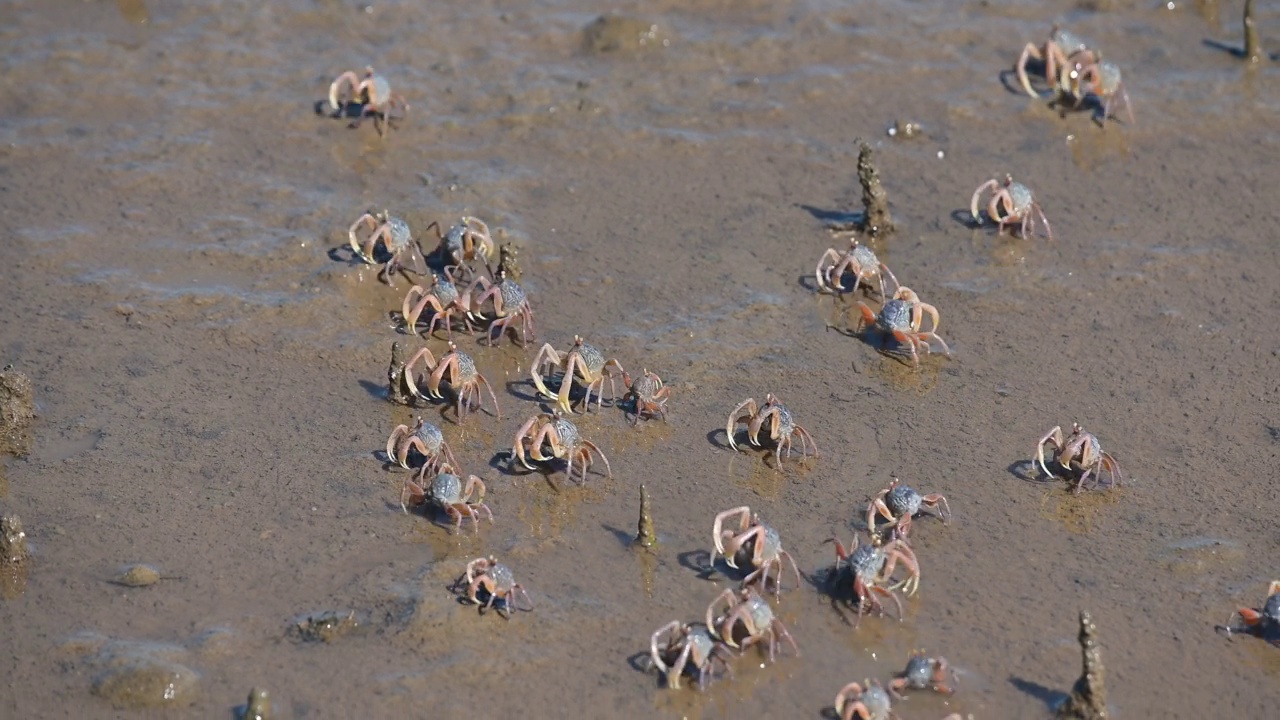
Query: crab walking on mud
(872, 567)
(510, 303)
(756, 617)
(761, 543)
(1263, 622)
(464, 243)
(902, 317)
(394, 235)
(1060, 52)
(497, 582)
(1103, 80)
(691, 646)
(464, 379)
(1011, 203)
(647, 395)
(860, 261)
(445, 300)
(448, 493)
(868, 701)
(899, 503)
(423, 437)
(373, 92)
(782, 427)
(583, 363)
(561, 437)
(1080, 453)
(924, 673)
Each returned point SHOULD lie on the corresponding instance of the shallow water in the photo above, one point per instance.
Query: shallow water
(210, 362)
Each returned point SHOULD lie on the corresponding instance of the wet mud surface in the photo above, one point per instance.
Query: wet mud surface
(209, 362)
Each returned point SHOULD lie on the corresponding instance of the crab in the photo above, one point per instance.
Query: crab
(394, 234)
(872, 566)
(859, 260)
(902, 317)
(761, 542)
(583, 362)
(747, 607)
(464, 379)
(562, 438)
(448, 492)
(924, 673)
(688, 645)
(443, 297)
(647, 395)
(373, 92)
(782, 428)
(898, 504)
(423, 437)
(1061, 51)
(462, 243)
(497, 581)
(1102, 79)
(1011, 203)
(1263, 622)
(510, 302)
(1080, 453)
(869, 703)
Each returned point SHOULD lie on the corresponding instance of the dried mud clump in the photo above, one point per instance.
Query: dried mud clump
(323, 627)
(645, 535)
(1088, 700)
(398, 390)
(876, 220)
(1252, 47)
(143, 675)
(13, 541)
(17, 408)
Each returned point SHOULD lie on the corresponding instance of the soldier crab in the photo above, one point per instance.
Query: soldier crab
(373, 92)
(448, 492)
(899, 503)
(464, 379)
(902, 317)
(782, 428)
(872, 567)
(394, 235)
(691, 646)
(1060, 52)
(860, 261)
(924, 673)
(510, 303)
(1263, 622)
(761, 543)
(757, 619)
(1011, 203)
(498, 584)
(444, 299)
(1102, 79)
(647, 395)
(423, 437)
(583, 363)
(561, 437)
(1079, 453)
(463, 243)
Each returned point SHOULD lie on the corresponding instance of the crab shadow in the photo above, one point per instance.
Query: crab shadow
(962, 216)
(1052, 699)
(765, 453)
(527, 391)
(348, 111)
(641, 662)
(626, 539)
(835, 584)
(836, 220)
(505, 462)
(699, 561)
(1234, 51)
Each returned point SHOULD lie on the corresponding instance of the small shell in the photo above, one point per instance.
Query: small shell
(137, 576)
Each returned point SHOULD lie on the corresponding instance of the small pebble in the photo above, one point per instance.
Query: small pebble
(137, 576)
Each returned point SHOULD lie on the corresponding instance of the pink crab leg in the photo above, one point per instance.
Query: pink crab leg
(973, 204)
(335, 89)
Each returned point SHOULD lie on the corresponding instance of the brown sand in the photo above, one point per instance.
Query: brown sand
(209, 363)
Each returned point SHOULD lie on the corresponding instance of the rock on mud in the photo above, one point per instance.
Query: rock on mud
(142, 675)
(137, 576)
(613, 33)
(13, 541)
(17, 408)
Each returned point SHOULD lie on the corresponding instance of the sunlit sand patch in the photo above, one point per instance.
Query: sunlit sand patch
(1078, 513)
(751, 469)
(902, 377)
